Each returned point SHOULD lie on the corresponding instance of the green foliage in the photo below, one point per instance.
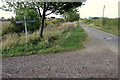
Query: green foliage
(17, 28)
(57, 7)
(57, 20)
(71, 15)
(10, 29)
(74, 41)
(30, 15)
(21, 8)
(88, 21)
(110, 25)
(118, 23)
(53, 41)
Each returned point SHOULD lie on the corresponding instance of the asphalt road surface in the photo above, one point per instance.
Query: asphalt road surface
(97, 60)
(109, 40)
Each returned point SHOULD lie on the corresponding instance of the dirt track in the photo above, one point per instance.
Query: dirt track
(95, 61)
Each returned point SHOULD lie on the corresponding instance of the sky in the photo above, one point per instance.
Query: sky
(92, 8)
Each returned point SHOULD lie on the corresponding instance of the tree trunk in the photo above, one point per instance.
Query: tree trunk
(43, 19)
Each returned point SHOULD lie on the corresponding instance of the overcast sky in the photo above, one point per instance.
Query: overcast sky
(92, 8)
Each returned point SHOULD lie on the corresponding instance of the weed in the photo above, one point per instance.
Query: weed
(110, 25)
(65, 37)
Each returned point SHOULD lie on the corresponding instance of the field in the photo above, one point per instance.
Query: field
(57, 38)
(109, 25)
(4, 25)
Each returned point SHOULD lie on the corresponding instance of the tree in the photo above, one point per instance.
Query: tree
(2, 18)
(42, 7)
(71, 15)
(30, 15)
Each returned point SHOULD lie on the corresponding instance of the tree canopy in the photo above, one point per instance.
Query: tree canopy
(71, 15)
(41, 8)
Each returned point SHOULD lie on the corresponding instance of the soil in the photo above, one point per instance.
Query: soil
(95, 61)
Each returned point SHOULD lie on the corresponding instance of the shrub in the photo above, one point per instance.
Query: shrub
(72, 15)
(88, 21)
(54, 41)
(57, 20)
(108, 25)
(15, 27)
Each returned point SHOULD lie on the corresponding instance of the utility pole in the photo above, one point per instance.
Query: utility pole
(103, 15)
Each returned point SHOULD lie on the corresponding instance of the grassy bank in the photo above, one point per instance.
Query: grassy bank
(57, 38)
(110, 25)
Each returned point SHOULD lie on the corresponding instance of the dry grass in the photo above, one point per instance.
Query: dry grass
(57, 38)
(110, 25)
(67, 26)
(11, 40)
(57, 30)
(5, 24)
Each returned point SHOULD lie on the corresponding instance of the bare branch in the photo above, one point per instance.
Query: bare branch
(39, 11)
(47, 7)
(38, 8)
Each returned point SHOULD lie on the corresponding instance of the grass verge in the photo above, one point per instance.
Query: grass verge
(110, 25)
(107, 29)
(67, 37)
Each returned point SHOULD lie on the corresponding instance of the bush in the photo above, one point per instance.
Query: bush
(58, 20)
(88, 21)
(72, 15)
(30, 15)
(108, 25)
(10, 29)
(54, 41)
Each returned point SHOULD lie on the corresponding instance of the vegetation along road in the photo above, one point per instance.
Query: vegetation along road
(109, 40)
(97, 60)
(38, 45)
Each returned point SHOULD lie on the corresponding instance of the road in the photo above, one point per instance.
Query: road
(97, 60)
(109, 40)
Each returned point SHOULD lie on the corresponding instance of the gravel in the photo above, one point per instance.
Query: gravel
(95, 61)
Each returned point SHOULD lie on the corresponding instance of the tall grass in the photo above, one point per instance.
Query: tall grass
(4, 26)
(110, 25)
(57, 38)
